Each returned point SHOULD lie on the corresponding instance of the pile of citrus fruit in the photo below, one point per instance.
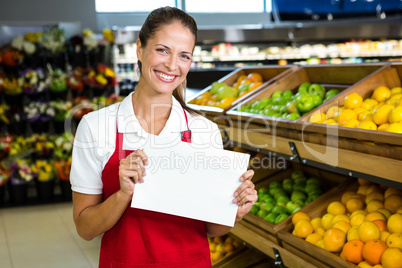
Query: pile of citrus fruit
(222, 246)
(382, 111)
(222, 95)
(364, 227)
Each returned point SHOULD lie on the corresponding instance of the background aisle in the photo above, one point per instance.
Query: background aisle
(44, 236)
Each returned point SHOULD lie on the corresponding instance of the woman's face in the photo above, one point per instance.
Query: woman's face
(166, 59)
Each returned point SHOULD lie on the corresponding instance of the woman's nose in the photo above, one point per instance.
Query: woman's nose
(171, 63)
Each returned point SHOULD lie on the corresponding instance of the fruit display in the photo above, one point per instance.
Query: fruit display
(222, 95)
(278, 200)
(222, 246)
(381, 111)
(363, 226)
(287, 105)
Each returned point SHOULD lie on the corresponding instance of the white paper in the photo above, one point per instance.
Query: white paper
(192, 183)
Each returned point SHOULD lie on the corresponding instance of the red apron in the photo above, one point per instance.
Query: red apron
(144, 238)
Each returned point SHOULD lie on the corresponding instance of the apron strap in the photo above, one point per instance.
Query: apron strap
(186, 134)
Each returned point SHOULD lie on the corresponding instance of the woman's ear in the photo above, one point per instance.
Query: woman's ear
(139, 50)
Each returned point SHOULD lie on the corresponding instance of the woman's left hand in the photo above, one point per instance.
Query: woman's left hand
(245, 195)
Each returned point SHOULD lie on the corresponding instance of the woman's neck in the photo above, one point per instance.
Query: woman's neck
(151, 109)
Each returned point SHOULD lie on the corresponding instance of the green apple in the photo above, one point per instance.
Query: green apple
(291, 205)
(317, 100)
(277, 94)
(278, 115)
(298, 195)
(291, 107)
(296, 210)
(268, 199)
(293, 116)
(267, 206)
(287, 94)
(279, 193)
(262, 190)
(305, 103)
(275, 184)
(271, 217)
(317, 89)
(254, 210)
(243, 88)
(269, 112)
(262, 213)
(311, 188)
(226, 91)
(315, 192)
(280, 218)
(287, 185)
(284, 115)
(299, 186)
(282, 109)
(313, 180)
(299, 95)
(215, 86)
(279, 209)
(331, 93)
(297, 174)
(304, 87)
(282, 200)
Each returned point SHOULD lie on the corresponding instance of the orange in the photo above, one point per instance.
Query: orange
(385, 211)
(351, 123)
(359, 211)
(330, 122)
(352, 251)
(353, 100)
(390, 191)
(359, 110)
(393, 202)
(255, 77)
(317, 118)
(303, 228)
(354, 204)
(381, 115)
(374, 188)
(384, 236)
(316, 222)
(326, 221)
(313, 238)
(254, 86)
(363, 189)
(381, 224)
(226, 102)
(361, 181)
(368, 117)
(381, 93)
(374, 195)
(369, 230)
(346, 196)
(395, 115)
(340, 217)
(337, 113)
(367, 125)
(334, 239)
(368, 104)
(332, 111)
(395, 128)
(352, 234)
(357, 219)
(372, 251)
(342, 225)
(298, 216)
(336, 208)
(392, 258)
(245, 82)
(375, 215)
(320, 244)
(394, 240)
(345, 115)
(373, 205)
(364, 264)
(320, 231)
(394, 223)
(241, 78)
(383, 127)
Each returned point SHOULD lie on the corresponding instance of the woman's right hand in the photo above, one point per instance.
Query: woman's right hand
(132, 170)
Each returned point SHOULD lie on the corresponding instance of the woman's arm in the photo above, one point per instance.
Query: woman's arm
(245, 197)
(92, 215)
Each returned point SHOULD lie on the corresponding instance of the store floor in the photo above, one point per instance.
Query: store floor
(44, 236)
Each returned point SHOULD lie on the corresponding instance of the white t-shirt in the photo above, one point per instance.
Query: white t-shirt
(95, 139)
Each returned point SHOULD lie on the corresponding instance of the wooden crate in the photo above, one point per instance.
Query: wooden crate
(269, 230)
(390, 76)
(340, 77)
(270, 74)
(317, 256)
(244, 257)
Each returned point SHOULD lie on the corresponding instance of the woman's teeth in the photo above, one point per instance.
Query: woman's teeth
(165, 76)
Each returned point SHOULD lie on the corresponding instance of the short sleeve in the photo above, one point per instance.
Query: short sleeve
(86, 167)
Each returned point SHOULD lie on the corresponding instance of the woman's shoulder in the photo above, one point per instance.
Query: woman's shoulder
(102, 115)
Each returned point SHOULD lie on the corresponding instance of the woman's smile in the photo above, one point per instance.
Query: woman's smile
(165, 77)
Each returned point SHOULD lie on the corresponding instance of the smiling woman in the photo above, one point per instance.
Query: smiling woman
(108, 160)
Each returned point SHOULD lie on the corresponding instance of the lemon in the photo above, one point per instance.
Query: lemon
(331, 112)
(383, 127)
(394, 127)
(367, 125)
(330, 122)
(381, 93)
(381, 115)
(353, 100)
(317, 118)
(345, 115)
(396, 90)
(395, 115)
(351, 123)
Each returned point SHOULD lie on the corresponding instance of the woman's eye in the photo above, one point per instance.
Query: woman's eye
(185, 57)
(161, 50)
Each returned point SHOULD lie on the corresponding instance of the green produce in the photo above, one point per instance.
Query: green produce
(291, 107)
(305, 103)
(317, 89)
(226, 91)
(215, 87)
(280, 218)
(304, 87)
(271, 217)
(317, 100)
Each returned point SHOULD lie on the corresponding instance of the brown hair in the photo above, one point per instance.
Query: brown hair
(155, 20)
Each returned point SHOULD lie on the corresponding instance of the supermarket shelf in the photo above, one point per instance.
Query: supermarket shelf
(380, 169)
